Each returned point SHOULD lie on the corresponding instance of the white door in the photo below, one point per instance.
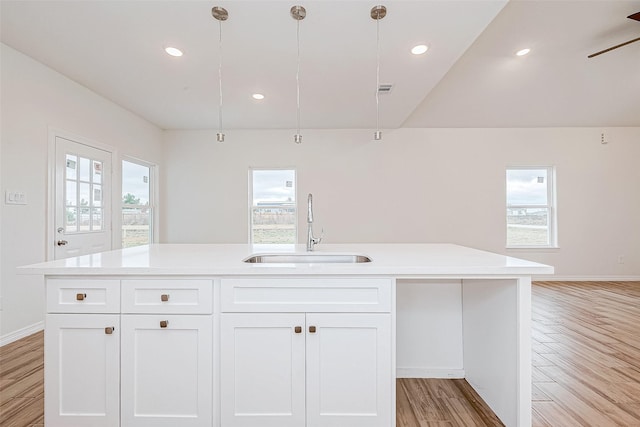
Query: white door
(262, 370)
(82, 365)
(82, 223)
(349, 372)
(167, 377)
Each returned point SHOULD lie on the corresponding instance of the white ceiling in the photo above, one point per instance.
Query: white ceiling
(468, 78)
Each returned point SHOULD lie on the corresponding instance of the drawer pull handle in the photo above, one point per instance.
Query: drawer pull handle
(164, 323)
(81, 297)
(298, 329)
(109, 330)
(164, 297)
(312, 329)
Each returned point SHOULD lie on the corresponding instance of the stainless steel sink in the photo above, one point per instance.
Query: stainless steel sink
(307, 258)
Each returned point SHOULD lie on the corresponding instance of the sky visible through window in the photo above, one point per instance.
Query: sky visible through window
(527, 187)
(273, 186)
(135, 180)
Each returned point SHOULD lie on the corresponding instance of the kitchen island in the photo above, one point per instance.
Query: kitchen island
(191, 335)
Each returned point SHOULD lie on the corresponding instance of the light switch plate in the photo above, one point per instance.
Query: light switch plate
(15, 197)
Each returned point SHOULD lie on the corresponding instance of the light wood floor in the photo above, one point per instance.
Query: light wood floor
(586, 354)
(586, 367)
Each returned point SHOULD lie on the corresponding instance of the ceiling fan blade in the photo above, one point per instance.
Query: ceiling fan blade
(613, 47)
(635, 16)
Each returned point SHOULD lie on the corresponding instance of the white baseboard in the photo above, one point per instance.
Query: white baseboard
(553, 278)
(429, 373)
(21, 333)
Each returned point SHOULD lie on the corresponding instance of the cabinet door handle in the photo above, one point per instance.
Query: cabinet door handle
(312, 329)
(164, 297)
(164, 323)
(109, 330)
(298, 329)
(81, 297)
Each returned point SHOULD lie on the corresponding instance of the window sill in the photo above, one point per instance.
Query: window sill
(533, 248)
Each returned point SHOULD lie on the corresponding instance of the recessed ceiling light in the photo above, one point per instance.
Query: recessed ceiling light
(173, 51)
(523, 52)
(419, 49)
(258, 96)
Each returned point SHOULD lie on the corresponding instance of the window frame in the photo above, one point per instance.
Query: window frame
(252, 208)
(551, 207)
(153, 198)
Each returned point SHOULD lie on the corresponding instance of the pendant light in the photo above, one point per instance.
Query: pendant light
(221, 14)
(298, 13)
(377, 13)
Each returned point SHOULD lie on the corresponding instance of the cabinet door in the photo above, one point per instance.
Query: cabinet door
(82, 365)
(262, 374)
(167, 370)
(349, 372)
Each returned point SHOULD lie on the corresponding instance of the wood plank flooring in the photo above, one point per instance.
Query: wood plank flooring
(22, 382)
(586, 354)
(586, 367)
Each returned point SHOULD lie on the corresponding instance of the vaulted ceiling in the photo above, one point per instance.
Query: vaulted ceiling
(469, 77)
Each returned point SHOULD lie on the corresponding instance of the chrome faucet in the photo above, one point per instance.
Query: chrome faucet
(311, 241)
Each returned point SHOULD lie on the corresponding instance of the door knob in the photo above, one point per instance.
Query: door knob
(62, 242)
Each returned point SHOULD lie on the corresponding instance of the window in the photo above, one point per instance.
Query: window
(83, 195)
(137, 203)
(530, 207)
(272, 196)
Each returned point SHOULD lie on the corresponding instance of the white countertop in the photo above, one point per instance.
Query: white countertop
(399, 260)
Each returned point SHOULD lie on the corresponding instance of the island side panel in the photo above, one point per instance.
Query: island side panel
(429, 328)
(497, 348)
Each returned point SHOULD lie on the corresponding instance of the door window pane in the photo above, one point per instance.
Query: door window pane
(97, 195)
(96, 219)
(84, 220)
(71, 220)
(84, 194)
(72, 166)
(97, 172)
(85, 171)
(71, 195)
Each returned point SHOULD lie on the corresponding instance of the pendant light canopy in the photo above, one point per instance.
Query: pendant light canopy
(298, 13)
(377, 13)
(221, 14)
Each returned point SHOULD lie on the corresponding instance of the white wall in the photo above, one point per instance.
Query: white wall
(35, 98)
(417, 185)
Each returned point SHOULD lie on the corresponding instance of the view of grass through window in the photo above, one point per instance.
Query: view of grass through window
(273, 206)
(529, 207)
(136, 206)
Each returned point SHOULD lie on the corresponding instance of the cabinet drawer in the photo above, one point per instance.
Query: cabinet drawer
(83, 296)
(306, 295)
(179, 296)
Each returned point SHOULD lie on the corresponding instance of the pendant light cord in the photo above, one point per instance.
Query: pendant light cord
(378, 74)
(298, 76)
(220, 76)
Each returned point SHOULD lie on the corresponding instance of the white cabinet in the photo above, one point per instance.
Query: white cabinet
(82, 353)
(306, 369)
(349, 370)
(262, 370)
(167, 370)
(167, 353)
(130, 353)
